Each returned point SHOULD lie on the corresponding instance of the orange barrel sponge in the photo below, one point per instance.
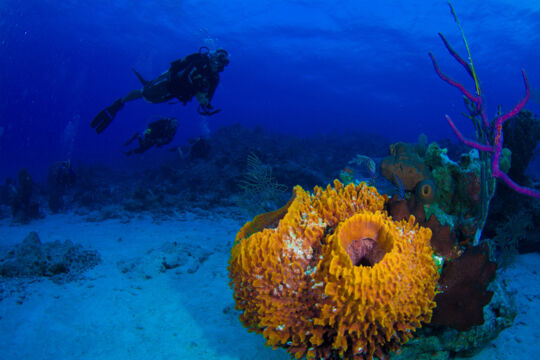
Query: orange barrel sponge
(336, 277)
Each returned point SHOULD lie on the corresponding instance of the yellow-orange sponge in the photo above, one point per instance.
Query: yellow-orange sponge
(336, 277)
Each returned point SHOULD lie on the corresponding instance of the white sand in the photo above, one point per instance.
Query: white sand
(522, 340)
(109, 315)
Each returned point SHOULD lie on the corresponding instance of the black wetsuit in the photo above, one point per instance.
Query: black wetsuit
(184, 79)
(160, 132)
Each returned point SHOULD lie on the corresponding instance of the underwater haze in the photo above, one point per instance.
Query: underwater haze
(296, 67)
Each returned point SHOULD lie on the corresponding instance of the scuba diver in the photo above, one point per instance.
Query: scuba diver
(196, 75)
(160, 132)
(62, 174)
(60, 178)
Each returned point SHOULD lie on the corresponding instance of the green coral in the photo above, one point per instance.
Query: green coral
(436, 157)
(440, 214)
(439, 262)
(455, 181)
(470, 161)
(505, 161)
(446, 186)
(346, 177)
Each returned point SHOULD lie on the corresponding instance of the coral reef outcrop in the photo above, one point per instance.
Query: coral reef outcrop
(521, 135)
(60, 261)
(336, 277)
(443, 342)
(23, 207)
(442, 237)
(406, 164)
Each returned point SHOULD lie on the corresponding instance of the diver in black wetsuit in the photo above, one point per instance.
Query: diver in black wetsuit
(159, 133)
(196, 75)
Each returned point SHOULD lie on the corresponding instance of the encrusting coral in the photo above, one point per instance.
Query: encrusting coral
(337, 277)
(405, 163)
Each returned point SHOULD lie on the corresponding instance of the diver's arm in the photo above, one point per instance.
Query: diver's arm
(203, 100)
(204, 96)
(205, 108)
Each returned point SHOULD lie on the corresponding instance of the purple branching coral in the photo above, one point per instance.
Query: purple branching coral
(489, 135)
(492, 137)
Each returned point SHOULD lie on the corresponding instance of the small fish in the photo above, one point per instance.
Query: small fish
(367, 166)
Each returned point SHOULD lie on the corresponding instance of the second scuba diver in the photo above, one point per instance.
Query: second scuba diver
(160, 132)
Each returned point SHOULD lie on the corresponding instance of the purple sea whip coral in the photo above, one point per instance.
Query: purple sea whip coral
(494, 145)
(489, 135)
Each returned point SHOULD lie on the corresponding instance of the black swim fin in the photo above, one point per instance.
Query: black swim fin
(106, 116)
(139, 76)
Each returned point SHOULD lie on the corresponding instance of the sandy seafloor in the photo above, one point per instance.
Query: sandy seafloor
(174, 315)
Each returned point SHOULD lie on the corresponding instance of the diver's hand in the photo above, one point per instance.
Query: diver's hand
(207, 110)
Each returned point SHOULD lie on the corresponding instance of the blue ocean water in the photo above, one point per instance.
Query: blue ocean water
(302, 75)
(297, 67)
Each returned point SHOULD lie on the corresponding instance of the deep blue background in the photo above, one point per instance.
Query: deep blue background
(300, 67)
